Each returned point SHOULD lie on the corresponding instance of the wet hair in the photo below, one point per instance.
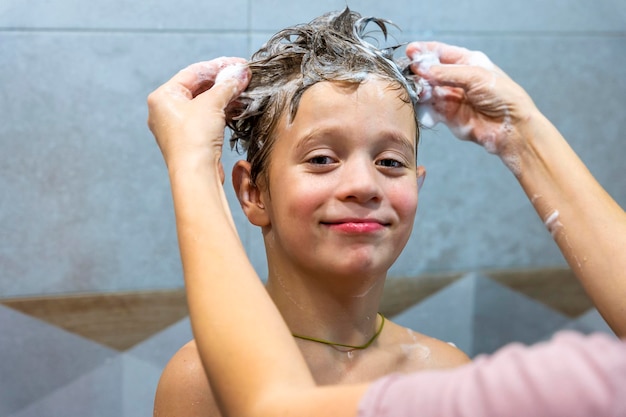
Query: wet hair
(332, 47)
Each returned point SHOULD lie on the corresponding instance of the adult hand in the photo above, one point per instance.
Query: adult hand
(471, 95)
(187, 113)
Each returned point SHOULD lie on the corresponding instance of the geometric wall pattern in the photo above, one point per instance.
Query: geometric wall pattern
(49, 371)
(479, 315)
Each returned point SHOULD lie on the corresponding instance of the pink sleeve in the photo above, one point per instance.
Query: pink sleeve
(572, 375)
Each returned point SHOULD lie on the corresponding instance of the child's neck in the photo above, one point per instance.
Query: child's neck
(312, 310)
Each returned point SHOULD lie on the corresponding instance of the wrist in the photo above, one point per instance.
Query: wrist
(197, 160)
(196, 182)
(525, 140)
(545, 160)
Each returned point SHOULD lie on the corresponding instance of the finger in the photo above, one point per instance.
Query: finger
(447, 54)
(199, 77)
(228, 85)
(461, 76)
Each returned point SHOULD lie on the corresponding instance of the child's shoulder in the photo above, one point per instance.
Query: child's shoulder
(184, 388)
(424, 352)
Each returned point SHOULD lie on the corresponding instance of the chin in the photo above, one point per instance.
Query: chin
(359, 265)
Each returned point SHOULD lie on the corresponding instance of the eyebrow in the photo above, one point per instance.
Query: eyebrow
(394, 136)
(404, 142)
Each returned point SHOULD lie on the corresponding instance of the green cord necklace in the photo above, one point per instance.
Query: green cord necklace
(364, 346)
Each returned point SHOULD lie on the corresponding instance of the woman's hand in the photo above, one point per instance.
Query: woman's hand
(186, 114)
(479, 102)
(472, 96)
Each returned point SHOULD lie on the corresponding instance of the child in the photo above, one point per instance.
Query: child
(331, 178)
(248, 351)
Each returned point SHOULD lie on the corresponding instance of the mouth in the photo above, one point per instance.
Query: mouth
(356, 225)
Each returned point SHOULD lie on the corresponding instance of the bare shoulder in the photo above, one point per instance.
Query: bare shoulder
(424, 352)
(184, 388)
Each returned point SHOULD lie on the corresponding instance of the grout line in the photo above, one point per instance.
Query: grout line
(155, 31)
(249, 32)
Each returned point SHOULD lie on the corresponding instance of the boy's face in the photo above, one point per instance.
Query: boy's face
(342, 180)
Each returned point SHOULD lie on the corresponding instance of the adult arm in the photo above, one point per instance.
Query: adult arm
(480, 103)
(570, 376)
(251, 359)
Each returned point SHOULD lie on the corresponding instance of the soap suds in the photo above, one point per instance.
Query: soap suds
(229, 72)
(556, 227)
(208, 70)
(552, 223)
(427, 115)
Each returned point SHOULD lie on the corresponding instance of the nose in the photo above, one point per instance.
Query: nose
(359, 181)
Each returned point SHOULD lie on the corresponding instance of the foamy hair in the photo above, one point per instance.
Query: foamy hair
(427, 115)
(332, 47)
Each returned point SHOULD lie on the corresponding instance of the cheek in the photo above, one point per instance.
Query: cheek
(304, 198)
(404, 200)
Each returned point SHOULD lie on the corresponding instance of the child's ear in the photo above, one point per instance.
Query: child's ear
(421, 176)
(249, 194)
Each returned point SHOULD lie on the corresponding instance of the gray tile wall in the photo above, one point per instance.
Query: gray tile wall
(85, 203)
(84, 198)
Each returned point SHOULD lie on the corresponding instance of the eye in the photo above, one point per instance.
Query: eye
(321, 160)
(390, 163)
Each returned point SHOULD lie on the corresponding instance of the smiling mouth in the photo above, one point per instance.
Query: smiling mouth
(356, 226)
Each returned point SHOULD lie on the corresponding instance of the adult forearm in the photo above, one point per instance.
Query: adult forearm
(587, 224)
(229, 311)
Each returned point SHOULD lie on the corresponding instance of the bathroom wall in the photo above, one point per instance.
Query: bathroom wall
(84, 199)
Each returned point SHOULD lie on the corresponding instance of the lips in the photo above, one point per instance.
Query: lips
(356, 225)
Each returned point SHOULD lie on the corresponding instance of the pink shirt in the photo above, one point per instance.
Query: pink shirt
(571, 376)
